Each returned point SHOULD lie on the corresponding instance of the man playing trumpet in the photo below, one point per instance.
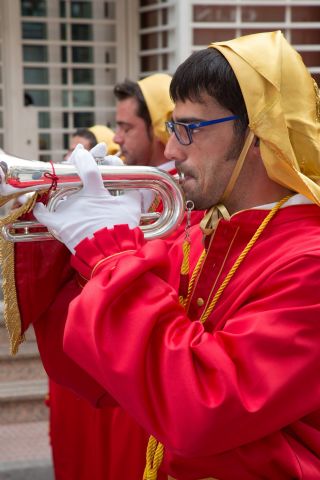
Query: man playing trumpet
(89, 442)
(218, 362)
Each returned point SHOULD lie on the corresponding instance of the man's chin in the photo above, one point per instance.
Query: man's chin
(196, 199)
(188, 186)
(129, 161)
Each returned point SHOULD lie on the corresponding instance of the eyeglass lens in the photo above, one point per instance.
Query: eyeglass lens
(182, 133)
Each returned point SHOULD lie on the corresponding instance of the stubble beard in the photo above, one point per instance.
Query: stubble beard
(202, 200)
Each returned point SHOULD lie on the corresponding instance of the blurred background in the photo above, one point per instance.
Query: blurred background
(59, 59)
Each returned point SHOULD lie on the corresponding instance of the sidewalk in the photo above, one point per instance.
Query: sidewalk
(25, 452)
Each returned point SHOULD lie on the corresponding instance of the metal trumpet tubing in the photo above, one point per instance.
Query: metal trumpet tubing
(33, 176)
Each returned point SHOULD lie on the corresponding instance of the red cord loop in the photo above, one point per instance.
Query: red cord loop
(54, 183)
(54, 178)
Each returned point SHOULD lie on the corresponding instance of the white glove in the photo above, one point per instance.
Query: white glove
(99, 152)
(82, 214)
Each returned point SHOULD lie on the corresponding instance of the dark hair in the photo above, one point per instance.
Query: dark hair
(86, 133)
(207, 71)
(129, 89)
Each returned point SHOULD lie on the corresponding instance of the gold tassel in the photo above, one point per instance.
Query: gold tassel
(154, 458)
(11, 311)
(184, 272)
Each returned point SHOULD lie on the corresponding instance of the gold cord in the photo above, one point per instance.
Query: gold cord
(11, 313)
(154, 458)
(194, 276)
(241, 257)
(155, 449)
(185, 266)
(238, 166)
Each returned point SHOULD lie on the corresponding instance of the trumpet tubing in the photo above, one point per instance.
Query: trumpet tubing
(24, 176)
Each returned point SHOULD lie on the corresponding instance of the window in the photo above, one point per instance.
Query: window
(35, 75)
(82, 76)
(155, 35)
(34, 30)
(69, 67)
(82, 54)
(33, 53)
(298, 19)
(33, 8)
(37, 97)
(81, 32)
(81, 9)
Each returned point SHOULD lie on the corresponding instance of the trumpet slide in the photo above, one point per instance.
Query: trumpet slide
(24, 176)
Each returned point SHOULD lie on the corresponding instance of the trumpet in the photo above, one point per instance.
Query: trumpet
(25, 176)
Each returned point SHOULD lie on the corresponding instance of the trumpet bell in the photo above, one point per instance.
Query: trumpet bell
(24, 176)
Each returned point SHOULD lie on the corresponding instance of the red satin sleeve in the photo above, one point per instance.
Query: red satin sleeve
(41, 269)
(45, 285)
(218, 396)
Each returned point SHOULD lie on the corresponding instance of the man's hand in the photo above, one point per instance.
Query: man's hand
(99, 152)
(81, 214)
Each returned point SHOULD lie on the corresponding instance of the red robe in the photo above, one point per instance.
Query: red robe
(90, 437)
(92, 443)
(87, 442)
(235, 397)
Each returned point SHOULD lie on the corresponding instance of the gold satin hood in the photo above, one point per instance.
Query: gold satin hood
(155, 89)
(283, 106)
(105, 134)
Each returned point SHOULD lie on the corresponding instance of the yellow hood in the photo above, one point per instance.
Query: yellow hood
(155, 90)
(105, 134)
(283, 105)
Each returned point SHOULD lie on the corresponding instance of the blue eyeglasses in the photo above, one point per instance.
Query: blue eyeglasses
(183, 131)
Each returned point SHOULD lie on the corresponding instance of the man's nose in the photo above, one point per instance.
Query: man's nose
(174, 151)
(118, 137)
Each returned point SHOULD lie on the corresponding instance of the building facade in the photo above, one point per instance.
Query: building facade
(59, 59)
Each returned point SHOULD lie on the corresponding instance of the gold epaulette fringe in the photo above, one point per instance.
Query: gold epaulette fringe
(11, 312)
